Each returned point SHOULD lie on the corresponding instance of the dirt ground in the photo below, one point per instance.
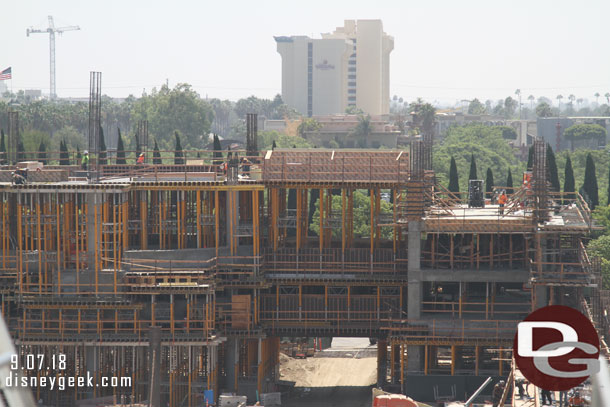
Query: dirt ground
(329, 372)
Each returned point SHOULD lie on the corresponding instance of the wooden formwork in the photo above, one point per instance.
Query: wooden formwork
(335, 165)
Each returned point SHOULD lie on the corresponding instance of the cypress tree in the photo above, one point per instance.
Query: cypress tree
(454, 181)
(530, 158)
(20, 150)
(138, 146)
(2, 148)
(42, 155)
(156, 154)
(509, 183)
(552, 166)
(473, 168)
(590, 184)
(63, 153)
(489, 183)
(568, 183)
(217, 150)
(178, 153)
(120, 150)
(62, 158)
(608, 202)
(102, 148)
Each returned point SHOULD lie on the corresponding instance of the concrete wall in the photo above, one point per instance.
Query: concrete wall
(547, 129)
(369, 69)
(38, 176)
(421, 388)
(294, 71)
(329, 60)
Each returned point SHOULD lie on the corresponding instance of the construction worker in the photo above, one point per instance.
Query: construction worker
(520, 382)
(546, 397)
(502, 201)
(140, 159)
(19, 177)
(245, 166)
(577, 400)
(85, 161)
(496, 395)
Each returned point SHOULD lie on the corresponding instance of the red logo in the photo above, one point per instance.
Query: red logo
(556, 348)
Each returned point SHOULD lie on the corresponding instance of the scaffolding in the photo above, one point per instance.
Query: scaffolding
(323, 243)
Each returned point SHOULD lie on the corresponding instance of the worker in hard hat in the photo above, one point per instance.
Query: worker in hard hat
(85, 161)
(501, 202)
(140, 159)
(497, 393)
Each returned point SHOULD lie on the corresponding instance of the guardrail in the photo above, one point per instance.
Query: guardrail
(336, 166)
(333, 261)
(455, 330)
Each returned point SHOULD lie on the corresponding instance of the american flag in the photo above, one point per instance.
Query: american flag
(6, 74)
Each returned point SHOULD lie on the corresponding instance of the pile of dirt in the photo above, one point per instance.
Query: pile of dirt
(328, 372)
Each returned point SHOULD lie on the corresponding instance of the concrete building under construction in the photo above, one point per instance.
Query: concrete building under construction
(184, 278)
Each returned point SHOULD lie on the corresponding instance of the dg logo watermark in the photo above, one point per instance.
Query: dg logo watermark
(556, 348)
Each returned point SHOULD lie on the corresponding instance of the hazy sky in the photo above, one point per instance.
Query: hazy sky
(444, 50)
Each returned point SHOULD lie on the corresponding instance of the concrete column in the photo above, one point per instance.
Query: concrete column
(231, 362)
(414, 245)
(415, 353)
(415, 359)
(259, 358)
(542, 297)
(230, 226)
(414, 298)
(382, 362)
(414, 289)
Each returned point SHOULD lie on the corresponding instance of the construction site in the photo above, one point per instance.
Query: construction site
(185, 277)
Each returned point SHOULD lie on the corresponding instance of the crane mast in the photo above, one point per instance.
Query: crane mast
(51, 30)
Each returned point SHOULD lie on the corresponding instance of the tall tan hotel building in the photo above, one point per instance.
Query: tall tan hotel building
(350, 67)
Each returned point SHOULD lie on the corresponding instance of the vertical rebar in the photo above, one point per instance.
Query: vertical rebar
(95, 111)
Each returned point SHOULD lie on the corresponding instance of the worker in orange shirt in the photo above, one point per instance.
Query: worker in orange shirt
(577, 400)
(140, 159)
(502, 201)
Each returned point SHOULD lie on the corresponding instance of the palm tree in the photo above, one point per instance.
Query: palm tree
(559, 97)
(363, 130)
(572, 98)
(607, 96)
(596, 97)
(518, 93)
(424, 116)
(531, 98)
